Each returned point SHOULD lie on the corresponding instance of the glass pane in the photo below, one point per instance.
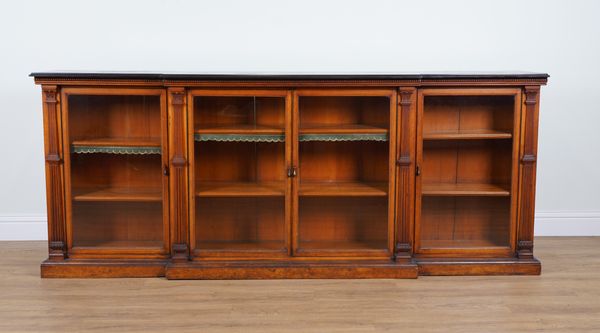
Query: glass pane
(344, 180)
(466, 171)
(240, 173)
(116, 171)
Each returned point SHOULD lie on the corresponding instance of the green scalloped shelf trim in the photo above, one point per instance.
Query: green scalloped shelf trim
(343, 137)
(281, 138)
(115, 150)
(240, 137)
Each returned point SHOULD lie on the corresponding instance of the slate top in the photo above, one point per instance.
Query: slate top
(235, 76)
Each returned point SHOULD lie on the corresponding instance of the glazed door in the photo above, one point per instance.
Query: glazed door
(343, 171)
(115, 154)
(467, 156)
(240, 156)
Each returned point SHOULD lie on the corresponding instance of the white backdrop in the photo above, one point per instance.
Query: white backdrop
(558, 37)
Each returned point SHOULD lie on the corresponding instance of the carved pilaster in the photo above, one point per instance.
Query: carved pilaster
(178, 181)
(405, 173)
(54, 174)
(527, 175)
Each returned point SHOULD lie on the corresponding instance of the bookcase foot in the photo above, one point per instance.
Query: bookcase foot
(103, 268)
(219, 270)
(479, 267)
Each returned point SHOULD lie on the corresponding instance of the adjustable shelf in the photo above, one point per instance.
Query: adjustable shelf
(117, 146)
(118, 194)
(351, 133)
(467, 135)
(240, 189)
(343, 189)
(239, 137)
(241, 129)
(466, 189)
(343, 137)
(343, 129)
(354, 132)
(240, 133)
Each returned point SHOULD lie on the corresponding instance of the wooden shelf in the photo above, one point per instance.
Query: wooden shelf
(240, 189)
(343, 129)
(493, 190)
(129, 244)
(121, 142)
(240, 133)
(467, 135)
(343, 133)
(240, 129)
(140, 146)
(235, 246)
(460, 244)
(343, 189)
(118, 194)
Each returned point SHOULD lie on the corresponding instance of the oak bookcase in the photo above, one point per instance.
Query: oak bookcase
(220, 176)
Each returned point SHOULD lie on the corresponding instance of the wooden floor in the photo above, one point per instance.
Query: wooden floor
(566, 298)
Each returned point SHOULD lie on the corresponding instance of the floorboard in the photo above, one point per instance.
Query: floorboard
(565, 298)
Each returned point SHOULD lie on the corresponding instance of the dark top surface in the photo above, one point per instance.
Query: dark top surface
(286, 75)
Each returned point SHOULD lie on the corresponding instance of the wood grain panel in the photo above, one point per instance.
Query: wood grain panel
(130, 223)
(113, 116)
(463, 222)
(239, 111)
(245, 223)
(239, 162)
(340, 222)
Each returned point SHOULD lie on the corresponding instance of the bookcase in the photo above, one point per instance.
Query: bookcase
(223, 176)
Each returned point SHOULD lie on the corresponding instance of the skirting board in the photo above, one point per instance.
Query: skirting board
(23, 227)
(565, 223)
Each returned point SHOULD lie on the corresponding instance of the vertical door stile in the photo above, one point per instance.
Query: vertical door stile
(164, 128)
(289, 189)
(295, 163)
(191, 174)
(418, 165)
(392, 180)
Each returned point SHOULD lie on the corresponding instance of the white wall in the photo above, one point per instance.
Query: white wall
(558, 37)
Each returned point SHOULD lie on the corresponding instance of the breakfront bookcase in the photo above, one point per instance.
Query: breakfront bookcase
(240, 176)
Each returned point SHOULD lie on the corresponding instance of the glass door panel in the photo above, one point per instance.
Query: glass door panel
(240, 176)
(344, 175)
(115, 163)
(466, 188)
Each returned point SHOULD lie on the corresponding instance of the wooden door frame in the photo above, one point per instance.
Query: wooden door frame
(241, 92)
(109, 253)
(391, 93)
(514, 198)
